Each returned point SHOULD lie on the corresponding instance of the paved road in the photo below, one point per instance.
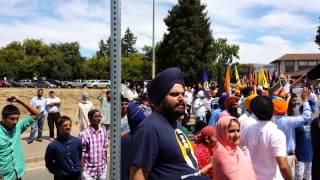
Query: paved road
(37, 173)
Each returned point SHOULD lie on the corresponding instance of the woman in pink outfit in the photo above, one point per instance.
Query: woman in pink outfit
(229, 162)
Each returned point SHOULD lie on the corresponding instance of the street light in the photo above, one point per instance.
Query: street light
(153, 48)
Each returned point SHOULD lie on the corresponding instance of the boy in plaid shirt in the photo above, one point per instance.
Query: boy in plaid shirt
(94, 148)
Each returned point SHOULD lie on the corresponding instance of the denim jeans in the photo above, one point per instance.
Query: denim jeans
(37, 123)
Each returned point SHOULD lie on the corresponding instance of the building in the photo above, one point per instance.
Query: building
(296, 65)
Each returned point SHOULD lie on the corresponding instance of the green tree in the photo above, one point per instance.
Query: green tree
(104, 48)
(128, 42)
(96, 68)
(188, 42)
(317, 40)
(71, 57)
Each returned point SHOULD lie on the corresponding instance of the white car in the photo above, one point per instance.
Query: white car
(98, 84)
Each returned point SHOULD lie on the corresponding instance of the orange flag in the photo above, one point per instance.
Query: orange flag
(227, 81)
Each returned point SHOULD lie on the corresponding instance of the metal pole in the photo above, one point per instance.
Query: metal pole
(115, 73)
(153, 48)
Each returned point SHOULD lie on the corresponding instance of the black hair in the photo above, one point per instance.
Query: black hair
(262, 107)
(199, 126)
(9, 110)
(50, 92)
(40, 89)
(123, 99)
(91, 113)
(293, 95)
(246, 91)
(62, 119)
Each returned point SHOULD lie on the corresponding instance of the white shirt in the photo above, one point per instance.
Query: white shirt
(82, 113)
(265, 142)
(39, 103)
(207, 103)
(246, 121)
(188, 97)
(132, 94)
(199, 108)
(53, 109)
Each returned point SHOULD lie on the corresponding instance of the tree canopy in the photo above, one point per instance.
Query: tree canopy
(188, 42)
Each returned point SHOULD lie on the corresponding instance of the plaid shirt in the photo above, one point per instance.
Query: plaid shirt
(94, 147)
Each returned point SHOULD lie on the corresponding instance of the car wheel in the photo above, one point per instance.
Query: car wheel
(84, 86)
(59, 86)
(69, 86)
(95, 86)
(25, 86)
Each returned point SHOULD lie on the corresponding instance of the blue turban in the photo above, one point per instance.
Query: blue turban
(136, 113)
(160, 86)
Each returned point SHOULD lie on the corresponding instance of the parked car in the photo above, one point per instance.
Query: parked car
(98, 84)
(65, 84)
(78, 83)
(55, 82)
(24, 83)
(12, 83)
(42, 84)
(3, 83)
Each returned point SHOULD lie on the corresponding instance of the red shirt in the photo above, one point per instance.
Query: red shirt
(204, 157)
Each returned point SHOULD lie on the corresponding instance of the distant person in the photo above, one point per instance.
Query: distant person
(105, 108)
(94, 148)
(53, 104)
(38, 102)
(199, 107)
(160, 150)
(84, 106)
(63, 155)
(124, 125)
(12, 165)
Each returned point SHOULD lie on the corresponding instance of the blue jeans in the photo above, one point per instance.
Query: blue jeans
(37, 123)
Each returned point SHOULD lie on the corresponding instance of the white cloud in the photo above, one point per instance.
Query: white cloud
(270, 48)
(87, 21)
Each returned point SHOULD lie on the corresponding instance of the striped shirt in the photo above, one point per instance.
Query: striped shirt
(11, 154)
(94, 147)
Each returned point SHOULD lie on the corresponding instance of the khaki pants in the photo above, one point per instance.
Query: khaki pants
(292, 163)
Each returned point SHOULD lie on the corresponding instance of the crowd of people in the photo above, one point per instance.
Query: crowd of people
(173, 131)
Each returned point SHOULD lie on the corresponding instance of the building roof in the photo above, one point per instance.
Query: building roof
(296, 57)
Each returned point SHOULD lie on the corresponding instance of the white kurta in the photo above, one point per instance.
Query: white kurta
(82, 113)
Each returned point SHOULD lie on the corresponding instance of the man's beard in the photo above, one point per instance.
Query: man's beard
(233, 111)
(170, 112)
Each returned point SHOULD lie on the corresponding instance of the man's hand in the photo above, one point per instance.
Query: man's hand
(305, 95)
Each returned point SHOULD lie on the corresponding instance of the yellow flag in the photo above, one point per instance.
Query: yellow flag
(227, 81)
(262, 79)
(236, 74)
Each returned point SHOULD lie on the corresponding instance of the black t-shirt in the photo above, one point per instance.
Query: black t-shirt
(161, 149)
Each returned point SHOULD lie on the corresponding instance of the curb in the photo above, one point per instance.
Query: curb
(34, 159)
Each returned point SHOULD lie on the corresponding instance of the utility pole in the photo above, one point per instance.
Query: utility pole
(115, 73)
(153, 48)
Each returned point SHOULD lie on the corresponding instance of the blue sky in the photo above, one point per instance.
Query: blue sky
(264, 29)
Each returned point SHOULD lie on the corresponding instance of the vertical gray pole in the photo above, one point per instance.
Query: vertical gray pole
(115, 73)
(153, 48)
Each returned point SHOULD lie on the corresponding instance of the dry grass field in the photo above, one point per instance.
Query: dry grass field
(69, 97)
